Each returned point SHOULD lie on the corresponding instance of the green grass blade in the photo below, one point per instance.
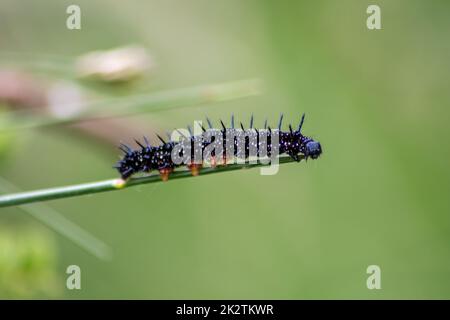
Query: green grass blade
(116, 184)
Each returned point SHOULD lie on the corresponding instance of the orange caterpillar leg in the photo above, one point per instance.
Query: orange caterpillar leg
(164, 173)
(224, 160)
(213, 162)
(195, 168)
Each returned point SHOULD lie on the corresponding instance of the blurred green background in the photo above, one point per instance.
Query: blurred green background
(376, 100)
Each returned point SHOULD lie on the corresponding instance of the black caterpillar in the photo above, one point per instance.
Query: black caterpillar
(149, 157)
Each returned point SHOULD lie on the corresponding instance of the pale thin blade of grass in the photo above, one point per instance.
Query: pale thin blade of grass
(60, 224)
(45, 63)
(134, 104)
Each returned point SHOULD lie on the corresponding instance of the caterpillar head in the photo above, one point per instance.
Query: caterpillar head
(305, 146)
(302, 144)
(313, 149)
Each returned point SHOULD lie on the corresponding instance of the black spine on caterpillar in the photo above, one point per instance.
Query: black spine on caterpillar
(255, 143)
